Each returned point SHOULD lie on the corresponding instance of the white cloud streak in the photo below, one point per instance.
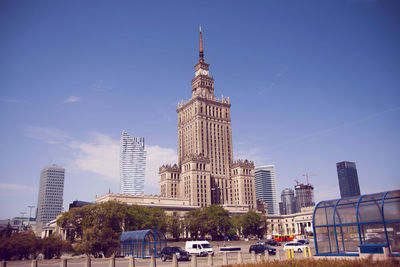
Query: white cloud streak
(101, 157)
(72, 99)
(17, 187)
(47, 135)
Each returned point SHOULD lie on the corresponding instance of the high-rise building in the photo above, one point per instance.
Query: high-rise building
(348, 179)
(206, 173)
(50, 199)
(288, 202)
(266, 187)
(304, 196)
(132, 165)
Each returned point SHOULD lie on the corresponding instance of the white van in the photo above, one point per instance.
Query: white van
(200, 248)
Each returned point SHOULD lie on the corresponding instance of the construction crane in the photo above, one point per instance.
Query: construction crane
(309, 187)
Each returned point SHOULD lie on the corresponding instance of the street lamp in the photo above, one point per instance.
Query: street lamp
(22, 219)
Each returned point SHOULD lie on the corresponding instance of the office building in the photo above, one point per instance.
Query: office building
(206, 172)
(288, 202)
(50, 199)
(266, 187)
(348, 179)
(304, 196)
(132, 165)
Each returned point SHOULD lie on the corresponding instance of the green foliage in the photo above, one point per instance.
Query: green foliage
(175, 226)
(96, 228)
(213, 220)
(253, 223)
(53, 247)
(26, 245)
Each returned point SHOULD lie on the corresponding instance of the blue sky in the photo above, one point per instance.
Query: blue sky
(311, 83)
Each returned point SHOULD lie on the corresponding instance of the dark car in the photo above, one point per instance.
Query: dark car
(303, 241)
(260, 248)
(181, 255)
(271, 251)
(272, 243)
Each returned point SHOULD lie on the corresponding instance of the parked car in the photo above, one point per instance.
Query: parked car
(303, 241)
(181, 255)
(273, 243)
(296, 246)
(200, 248)
(261, 248)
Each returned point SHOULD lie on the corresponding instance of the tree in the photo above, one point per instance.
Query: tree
(53, 247)
(195, 222)
(174, 226)
(253, 224)
(217, 221)
(22, 245)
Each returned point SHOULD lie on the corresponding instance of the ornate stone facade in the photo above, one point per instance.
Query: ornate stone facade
(207, 174)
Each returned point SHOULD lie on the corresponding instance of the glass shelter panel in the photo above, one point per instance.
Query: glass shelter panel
(345, 213)
(322, 239)
(370, 210)
(367, 220)
(391, 208)
(393, 230)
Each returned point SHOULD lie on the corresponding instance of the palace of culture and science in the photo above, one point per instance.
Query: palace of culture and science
(206, 173)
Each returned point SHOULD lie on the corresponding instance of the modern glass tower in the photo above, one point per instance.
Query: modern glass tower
(50, 199)
(266, 187)
(132, 165)
(288, 201)
(348, 179)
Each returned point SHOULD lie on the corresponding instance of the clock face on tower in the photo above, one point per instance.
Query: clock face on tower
(202, 72)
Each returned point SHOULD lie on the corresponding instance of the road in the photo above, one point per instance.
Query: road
(201, 261)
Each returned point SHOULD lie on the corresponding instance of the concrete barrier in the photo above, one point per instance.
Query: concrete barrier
(240, 258)
(210, 260)
(174, 260)
(225, 259)
(88, 261)
(152, 261)
(34, 263)
(253, 257)
(278, 254)
(259, 258)
(131, 261)
(63, 262)
(194, 261)
(112, 261)
(266, 256)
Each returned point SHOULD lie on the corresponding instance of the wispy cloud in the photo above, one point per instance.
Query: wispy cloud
(254, 154)
(341, 126)
(101, 86)
(17, 187)
(8, 100)
(72, 99)
(101, 156)
(47, 135)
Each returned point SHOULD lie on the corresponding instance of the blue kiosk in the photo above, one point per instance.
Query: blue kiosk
(142, 243)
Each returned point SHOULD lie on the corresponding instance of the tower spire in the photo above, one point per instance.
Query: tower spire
(201, 53)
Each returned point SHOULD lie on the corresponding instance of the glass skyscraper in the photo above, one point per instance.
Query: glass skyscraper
(348, 179)
(132, 165)
(50, 199)
(266, 187)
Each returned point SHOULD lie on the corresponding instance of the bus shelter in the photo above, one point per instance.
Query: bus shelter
(142, 243)
(360, 224)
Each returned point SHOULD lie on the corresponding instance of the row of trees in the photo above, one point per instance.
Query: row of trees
(95, 229)
(25, 245)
